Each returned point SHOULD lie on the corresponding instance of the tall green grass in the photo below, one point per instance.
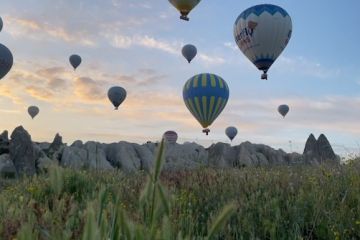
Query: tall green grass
(305, 202)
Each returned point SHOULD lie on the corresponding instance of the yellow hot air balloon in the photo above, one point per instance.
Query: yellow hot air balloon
(184, 7)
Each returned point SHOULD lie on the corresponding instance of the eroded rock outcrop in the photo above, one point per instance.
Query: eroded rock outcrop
(90, 155)
(22, 152)
(319, 151)
(56, 148)
(21, 156)
(7, 168)
(4, 143)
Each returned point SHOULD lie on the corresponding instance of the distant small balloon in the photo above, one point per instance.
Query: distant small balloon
(283, 109)
(116, 96)
(170, 137)
(231, 132)
(6, 60)
(1, 24)
(75, 60)
(33, 111)
(189, 51)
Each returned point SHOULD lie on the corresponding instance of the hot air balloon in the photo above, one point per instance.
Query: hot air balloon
(189, 52)
(184, 7)
(75, 60)
(1, 24)
(231, 132)
(33, 111)
(116, 96)
(283, 109)
(262, 32)
(170, 137)
(6, 60)
(206, 95)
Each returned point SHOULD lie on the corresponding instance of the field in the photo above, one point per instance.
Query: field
(307, 202)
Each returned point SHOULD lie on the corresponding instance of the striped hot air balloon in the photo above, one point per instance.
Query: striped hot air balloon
(206, 95)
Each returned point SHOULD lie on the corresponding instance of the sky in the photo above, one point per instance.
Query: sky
(137, 44)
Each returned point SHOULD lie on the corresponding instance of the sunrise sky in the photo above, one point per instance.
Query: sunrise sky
(137, 44)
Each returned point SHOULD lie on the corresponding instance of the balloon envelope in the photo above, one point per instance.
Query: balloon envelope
(116, 96)
(75, 60)
(189, 52)
(170, 137)
(33, 111)
(231, 132)
(205, 95)
(6, 60)
(184, 7)
(283, 109)
(262, 32)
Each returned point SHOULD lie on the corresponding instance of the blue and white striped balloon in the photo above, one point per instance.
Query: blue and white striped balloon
(262, 32)
(206, 95)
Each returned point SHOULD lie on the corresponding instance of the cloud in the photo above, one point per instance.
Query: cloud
(38, 30)
(39, 93)
(231, 46)
(124, 41)
(304, 66)
(50, 71)
(150, 42)
(171, 47)
(327, 113)
(211, 60)
(10, 111)
(143, 78)
(90, 90)
(57, 84)
(6, 91)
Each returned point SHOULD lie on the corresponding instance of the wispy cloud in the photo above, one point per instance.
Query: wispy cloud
(304, 66)
(231, 46)
(89, 90)
(124, 41)
(39, 93)
(211, 60)
(171, 47)
(30, 28)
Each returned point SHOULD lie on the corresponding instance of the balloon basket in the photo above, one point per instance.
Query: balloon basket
(206, 131)
(185, 18)
(264, 76)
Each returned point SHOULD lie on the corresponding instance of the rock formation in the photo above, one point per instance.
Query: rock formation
(90, 155)
(21, 156)
(22, 152)
(319, 151)
(7, 168)
(56, 148)
(4, 143)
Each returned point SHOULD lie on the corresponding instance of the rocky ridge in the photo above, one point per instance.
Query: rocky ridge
(20, 156)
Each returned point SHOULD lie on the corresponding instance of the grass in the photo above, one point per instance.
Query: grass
(305, 202)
